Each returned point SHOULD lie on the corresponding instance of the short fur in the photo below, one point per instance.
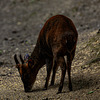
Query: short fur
(57, 39)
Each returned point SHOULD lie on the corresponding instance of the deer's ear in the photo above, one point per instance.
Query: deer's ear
(16, 60)
(21, 59)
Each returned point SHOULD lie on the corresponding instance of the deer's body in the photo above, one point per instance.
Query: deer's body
(57, 39)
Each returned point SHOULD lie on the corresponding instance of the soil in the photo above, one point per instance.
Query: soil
(20, 24)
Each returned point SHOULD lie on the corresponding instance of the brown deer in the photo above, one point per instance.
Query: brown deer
(57, 39)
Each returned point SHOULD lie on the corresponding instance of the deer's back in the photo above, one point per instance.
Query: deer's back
(58, 32)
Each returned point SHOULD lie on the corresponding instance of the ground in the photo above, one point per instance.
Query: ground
(20, 24)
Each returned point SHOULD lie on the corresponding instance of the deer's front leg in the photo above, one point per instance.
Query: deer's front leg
(54, 71)
(49, 68)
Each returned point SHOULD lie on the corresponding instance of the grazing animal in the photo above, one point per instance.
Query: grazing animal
(57, 39)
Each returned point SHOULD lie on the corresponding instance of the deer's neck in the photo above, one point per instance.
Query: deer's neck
(36, 53)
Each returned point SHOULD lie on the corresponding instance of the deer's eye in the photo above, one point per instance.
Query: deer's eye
(30, 63)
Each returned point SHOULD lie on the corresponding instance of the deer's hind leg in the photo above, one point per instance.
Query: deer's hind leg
(59, 61)
(62, 65)
(70, 57)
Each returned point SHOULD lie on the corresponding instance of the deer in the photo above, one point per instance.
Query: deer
(57, 40)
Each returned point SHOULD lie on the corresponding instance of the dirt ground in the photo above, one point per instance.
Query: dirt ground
(20, 24)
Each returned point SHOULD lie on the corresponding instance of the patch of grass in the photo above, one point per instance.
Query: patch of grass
(1, 52)
(75, 9)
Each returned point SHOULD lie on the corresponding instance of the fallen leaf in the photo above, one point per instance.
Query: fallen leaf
(90, 92)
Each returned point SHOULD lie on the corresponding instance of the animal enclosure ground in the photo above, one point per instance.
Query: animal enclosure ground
(20, 23)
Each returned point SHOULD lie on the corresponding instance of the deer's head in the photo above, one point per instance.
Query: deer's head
(26, 72)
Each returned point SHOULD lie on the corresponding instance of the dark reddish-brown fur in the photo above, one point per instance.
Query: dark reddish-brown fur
(57, 39)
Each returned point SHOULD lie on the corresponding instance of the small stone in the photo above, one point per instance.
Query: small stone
(22, 41)
(18, 23)
(10, 39)
(17, 49)
(98, 31)
(4, 51)
(28, 96)
(14, 32)
(6, 39)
